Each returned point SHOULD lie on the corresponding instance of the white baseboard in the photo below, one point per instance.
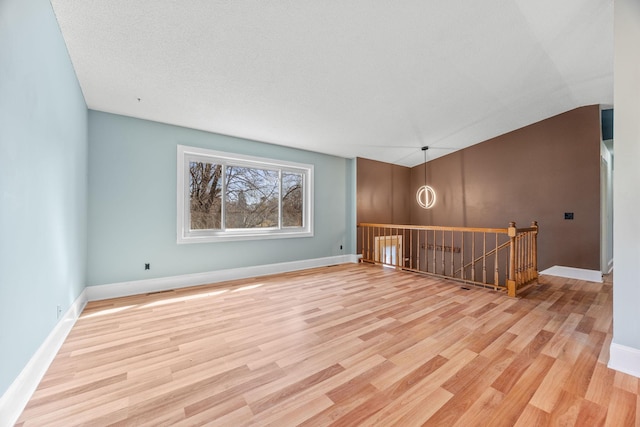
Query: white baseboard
(14, 400)
(624, 359)
(115, 290)
(574, 273)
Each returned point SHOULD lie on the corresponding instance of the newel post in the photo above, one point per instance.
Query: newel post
(534, 225)
(511, 280)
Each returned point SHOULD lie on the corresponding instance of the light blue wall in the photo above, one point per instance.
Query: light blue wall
(43, 181)
(132, 204)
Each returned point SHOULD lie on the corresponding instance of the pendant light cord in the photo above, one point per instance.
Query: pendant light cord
(425, 148)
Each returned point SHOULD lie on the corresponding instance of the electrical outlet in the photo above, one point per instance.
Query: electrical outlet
(147, 266)
(58, 311)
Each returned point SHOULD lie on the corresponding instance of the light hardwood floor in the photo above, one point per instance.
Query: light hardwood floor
(344, 345)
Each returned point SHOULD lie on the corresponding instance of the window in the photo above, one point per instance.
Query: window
(223, 196)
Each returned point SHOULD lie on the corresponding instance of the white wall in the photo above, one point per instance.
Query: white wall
(625, 349)
(606, 209)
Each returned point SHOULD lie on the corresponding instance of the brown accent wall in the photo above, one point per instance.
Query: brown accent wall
(537, 173)
(383, 192)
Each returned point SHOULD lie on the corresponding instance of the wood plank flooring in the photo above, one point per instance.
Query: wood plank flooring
(348, 345)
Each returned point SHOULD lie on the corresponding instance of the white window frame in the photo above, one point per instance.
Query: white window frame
(186, 235)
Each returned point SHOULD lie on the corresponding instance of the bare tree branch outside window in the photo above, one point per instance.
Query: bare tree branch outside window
(205, 186)
(251, 197)
(292, 202)
(228, 196)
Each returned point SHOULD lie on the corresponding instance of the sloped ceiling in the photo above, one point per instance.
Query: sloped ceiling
(374, 79)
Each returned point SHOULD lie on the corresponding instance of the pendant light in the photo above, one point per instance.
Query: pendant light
(426, 196)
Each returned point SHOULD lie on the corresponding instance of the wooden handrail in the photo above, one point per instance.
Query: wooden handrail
(439, 227)
(452, 252)
(525, 230)
(436, 227)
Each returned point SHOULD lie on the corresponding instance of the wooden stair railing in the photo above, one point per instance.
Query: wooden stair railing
(498, 258)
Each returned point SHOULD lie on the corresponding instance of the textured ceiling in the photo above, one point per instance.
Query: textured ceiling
(374, 79)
